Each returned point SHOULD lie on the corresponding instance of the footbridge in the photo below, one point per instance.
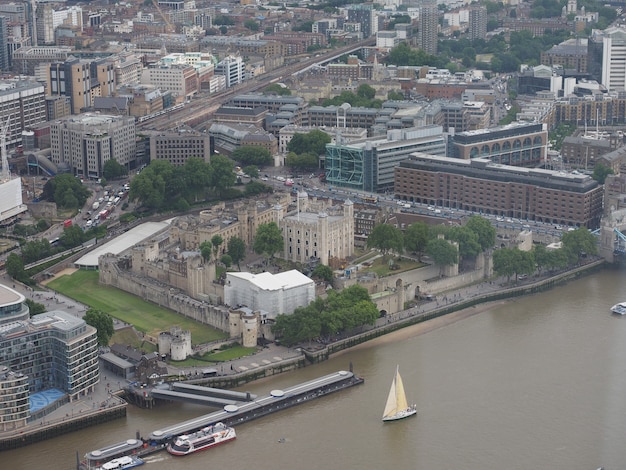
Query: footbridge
(200, 395)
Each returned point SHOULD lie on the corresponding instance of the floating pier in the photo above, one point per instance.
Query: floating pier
(231, 414)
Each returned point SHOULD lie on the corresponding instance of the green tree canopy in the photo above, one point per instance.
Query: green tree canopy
(268, 240)
(35, 308)
(206, 248)
(112, 169)
(600, 172)
(339, 312)
(386, 238)
(510, 261)
(102, 322)
(442, 252)
(216, 241)
(580, 242)
(252, 155)
(66, 191)
(312, 142)
(15, 266)
(236, 248)
(485, 231)
(416, 238)
(324, 272)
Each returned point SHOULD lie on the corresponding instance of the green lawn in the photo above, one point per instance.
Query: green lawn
(147, 317)
(218, 356)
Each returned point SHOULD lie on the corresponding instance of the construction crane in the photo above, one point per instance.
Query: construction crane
(170, 28)
(6, 174)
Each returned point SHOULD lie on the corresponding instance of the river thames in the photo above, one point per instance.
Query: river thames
(531, 383)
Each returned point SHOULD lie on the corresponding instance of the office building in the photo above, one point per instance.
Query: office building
(22, 102)
(368, 165)
(232, 68)
(83, 144)
(179, 79)
(517, 144)
(614, 59)
(479, 185)
(177, 146)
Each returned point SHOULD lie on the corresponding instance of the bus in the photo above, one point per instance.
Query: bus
(370, 199)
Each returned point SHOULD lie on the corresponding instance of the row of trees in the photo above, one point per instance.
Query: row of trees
(575, 245)
(474, 237)
(340, 312)
(163, 186)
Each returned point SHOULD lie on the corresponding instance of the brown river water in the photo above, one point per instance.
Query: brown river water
(532, 383)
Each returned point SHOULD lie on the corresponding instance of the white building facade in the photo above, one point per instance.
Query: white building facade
(275, 294)
(614, 59)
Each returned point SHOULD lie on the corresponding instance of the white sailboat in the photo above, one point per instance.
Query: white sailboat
(397, 406)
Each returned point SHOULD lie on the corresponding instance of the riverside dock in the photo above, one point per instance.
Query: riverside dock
(231, 415)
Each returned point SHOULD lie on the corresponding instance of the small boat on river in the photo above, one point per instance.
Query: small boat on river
(122, 463)
(397, 406)
(203, 439)
(619, 309)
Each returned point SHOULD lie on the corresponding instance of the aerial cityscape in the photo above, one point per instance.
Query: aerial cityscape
(197, 195)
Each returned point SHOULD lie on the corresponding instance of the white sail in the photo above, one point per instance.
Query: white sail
(397, 406)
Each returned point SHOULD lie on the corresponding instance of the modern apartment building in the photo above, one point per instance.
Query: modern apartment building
(479, 185)
(571, 54)
(477, 28)
(53, 350)
(428, 26)
(366, 16)
(516, 144)
(368, 165)
(84, 143)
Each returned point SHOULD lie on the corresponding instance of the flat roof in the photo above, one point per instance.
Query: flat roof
(121, 243)
(272, 282)
(9, 296)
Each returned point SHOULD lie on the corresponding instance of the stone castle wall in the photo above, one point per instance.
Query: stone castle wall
(162, 295)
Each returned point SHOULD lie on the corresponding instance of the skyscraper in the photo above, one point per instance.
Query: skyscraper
(477, 22)
(614, 59)
(4, 37)
(428, 26)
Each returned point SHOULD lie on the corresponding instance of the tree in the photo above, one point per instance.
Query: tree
(467, 240)
(226, 260)
(216, 241)
(252, 155)
(251, 170)
(102, 322)
(416, 238)
(15, 266)
(510, 261)
(268, 240)
(256, 187)
(277, 89)
(386, 238)
(206, 248)
(600, 172)
(72, 236)
(366, 91)
(251, 25)
(323, 272)
(223, 176)
(442, 252)
(236, 249)
(485, 231)
(112, 169)
(35, 308)
(66, 191)
(579, 243)
(312, 142)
